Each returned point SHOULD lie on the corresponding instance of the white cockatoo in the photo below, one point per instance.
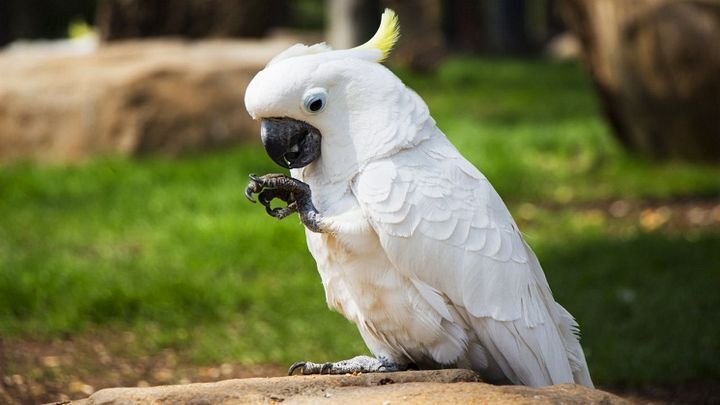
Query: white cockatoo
(411, 241)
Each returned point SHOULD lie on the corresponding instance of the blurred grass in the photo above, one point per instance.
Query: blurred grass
(171, 250)
(534, 129)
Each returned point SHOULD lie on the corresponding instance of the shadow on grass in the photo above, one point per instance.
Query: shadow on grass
(647, 307)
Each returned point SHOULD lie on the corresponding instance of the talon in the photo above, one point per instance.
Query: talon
(252, 187)
(248, 194)
(325, 369)
(292, 191)
(295, 366)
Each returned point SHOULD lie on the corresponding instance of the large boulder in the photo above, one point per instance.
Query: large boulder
(127, 98)
(440, 386)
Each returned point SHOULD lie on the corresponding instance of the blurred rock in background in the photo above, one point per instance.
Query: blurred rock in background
(131, 98)
(70, 99)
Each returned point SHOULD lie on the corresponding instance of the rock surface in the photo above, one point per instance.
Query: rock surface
(439, 386)
(127, 98)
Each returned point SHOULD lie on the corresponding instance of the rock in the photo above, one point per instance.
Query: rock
(565, 46)
(127, 98)
(439, 386)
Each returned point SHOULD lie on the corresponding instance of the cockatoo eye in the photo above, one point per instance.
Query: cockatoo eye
(314, 100)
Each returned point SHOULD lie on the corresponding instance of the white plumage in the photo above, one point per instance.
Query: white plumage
(421, 254)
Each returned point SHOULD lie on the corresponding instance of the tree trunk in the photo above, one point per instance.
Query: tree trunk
(462, 27)
(34, 19)
(499, 26)
(123, 19)
(656, 67)
(422, 43)
(6, 34)
(351, 22)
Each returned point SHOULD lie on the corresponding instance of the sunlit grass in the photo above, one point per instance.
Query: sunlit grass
(534, 129)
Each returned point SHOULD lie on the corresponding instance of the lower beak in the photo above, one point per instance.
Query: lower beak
(289, 142)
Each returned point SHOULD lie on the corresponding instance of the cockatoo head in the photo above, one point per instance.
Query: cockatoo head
(316, 103)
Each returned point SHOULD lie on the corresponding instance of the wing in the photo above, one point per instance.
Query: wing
(440, 222)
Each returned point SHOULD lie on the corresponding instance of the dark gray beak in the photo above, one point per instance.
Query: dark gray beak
(290, 143)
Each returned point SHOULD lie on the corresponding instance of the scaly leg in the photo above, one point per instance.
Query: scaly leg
(358, 364)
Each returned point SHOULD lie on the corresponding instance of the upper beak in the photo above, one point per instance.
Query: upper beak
(290, 143)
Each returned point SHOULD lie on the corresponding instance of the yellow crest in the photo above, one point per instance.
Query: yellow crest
(386, 35)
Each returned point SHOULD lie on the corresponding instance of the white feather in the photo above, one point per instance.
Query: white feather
(420, 251)
(483, 269)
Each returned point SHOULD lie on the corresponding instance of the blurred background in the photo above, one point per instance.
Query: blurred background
(129, 255)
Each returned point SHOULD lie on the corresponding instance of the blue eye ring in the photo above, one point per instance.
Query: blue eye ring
(314, 100)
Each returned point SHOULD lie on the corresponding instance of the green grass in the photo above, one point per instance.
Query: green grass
(162, 246)
(534, 129)
(170, 248)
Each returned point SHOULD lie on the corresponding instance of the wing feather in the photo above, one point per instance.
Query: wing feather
(443, 225)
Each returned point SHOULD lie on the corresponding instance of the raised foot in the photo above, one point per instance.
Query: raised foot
(280, 186)
(293, 191)
(358, 364)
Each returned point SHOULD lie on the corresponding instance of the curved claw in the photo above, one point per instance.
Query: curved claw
(265, 199)
(295, 366)
(273, 212)
(252, 187)
(249, 192)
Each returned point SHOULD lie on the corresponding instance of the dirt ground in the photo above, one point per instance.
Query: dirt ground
(75, 367)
